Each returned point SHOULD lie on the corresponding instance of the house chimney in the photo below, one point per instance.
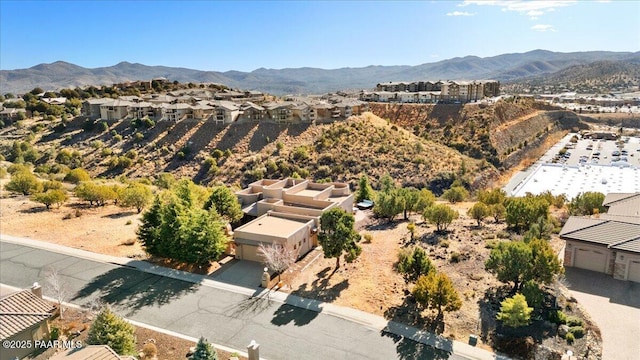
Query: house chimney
(36, 289)
(253, 350)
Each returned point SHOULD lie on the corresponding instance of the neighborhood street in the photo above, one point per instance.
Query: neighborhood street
(223, 317)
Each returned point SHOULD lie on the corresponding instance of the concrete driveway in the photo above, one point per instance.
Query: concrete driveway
(241, 273)
(614, 305)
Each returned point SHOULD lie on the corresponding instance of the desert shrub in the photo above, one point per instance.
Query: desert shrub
(54, 334)
(97, 144)
(300, 154)
(106, 152)
(533, 294)
(24, 182)
(444, 244)
(368, 238)
(570, 338)
(558, 317)
(502, 234)
(455, 257)
(138, 136)
(576, 331)
(3, 173)
(117, 137)
(149, 350)
(75, 176)
(165, 180)
(217, 153)
(574, 321)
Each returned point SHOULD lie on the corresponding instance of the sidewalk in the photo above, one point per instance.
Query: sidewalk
(371, 321)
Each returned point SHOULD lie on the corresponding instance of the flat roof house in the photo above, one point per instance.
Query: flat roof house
(287, 212)
(609, 243)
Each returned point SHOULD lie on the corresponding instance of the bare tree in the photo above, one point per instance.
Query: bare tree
(278, 257)
(57, 287)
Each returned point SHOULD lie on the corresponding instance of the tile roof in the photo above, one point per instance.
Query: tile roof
(613, 233)
(576, 223)
(615, 197)
(626, 206)
(22, 310)
(90, 352)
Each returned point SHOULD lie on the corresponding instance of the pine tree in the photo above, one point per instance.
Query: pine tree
(226, 203)
(149, 231)
(337, 235)
(112, 330)
(436, 291)
(514, 311)
(365, 192)
(204, 351)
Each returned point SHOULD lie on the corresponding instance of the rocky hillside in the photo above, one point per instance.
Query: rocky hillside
(243, 152)
(496, 133)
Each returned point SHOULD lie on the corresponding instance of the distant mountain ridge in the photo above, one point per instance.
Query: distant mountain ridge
(307, 80)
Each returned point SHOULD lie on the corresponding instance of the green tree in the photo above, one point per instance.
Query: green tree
(77, 175)
(521, 212)
(425, 199)
(436, 291)
(388, 205)
(386, 183)
(478, 212)
(24, 182)
(136, 195)
(51, 197)
(509, 261)
(149, 230)
(497, 211)
(365, 192)
(587, 203)
(492, 197)
(514, 311)
(532, 292)
(544, 264)
(455, 194)
(338, 236)
(94, 193)
(204, 351)
(414, 263)
(441, 215)
(224, 200)
(112, 330)
(165, 180)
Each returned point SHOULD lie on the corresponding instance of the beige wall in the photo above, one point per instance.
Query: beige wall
(621, 265)
(572, 246)
(36, 332)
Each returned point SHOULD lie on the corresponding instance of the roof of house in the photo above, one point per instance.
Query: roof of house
(623, 204)
(272, 226)
(615, 234)
(20, 311)
(90, 352)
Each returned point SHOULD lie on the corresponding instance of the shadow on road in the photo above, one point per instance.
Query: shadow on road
(288, 313)
(131, 290)
(617, 291)
(408, 349)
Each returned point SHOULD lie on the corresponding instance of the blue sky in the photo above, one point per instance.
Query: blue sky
(246, 35)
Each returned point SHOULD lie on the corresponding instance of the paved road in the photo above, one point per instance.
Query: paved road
(227, 318)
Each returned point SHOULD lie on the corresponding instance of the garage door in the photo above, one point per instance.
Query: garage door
(634, 271)
(593, 260)
(250, 253)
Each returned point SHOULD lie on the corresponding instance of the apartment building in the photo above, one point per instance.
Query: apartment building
(431, 92)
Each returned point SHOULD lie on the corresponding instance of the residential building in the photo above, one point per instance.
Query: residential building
(175, 112)
(280, 112)
(225, 112)
(252, 112)
(24, 317)
(91, 107)
(201, 110)
(115, 109)
(462, 91)
(11, 114)
(609, 243)
(287, 212)
(139, 110)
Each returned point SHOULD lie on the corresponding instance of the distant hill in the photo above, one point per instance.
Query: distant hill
(596, 77)
(504, 67)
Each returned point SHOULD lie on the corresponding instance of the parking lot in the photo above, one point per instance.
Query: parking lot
(569, 168)
(624, 153)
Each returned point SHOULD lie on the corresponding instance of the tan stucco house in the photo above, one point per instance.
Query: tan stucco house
(609, 243)
(287, 212)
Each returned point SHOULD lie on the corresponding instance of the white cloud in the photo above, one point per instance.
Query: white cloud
(543, 28)
(532, 9)
(460, 13)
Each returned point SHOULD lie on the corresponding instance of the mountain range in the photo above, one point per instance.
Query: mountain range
(505, 68)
